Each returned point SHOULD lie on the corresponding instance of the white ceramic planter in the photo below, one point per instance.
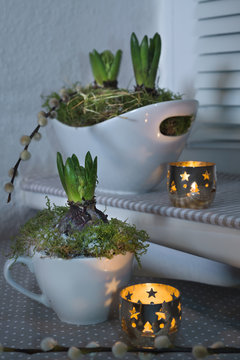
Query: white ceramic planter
(80, 290)
(132, 153)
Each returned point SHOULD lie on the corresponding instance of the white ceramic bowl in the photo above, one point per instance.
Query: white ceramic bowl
(132, 153)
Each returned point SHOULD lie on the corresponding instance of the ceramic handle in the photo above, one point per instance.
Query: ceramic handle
(7, 274)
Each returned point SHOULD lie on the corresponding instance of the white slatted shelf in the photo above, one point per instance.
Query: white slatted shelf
(212, 233)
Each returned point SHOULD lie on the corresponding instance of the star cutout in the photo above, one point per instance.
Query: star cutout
(129, 295)
(151, 293)
(160, 315)
(112, 286)
(185, 176)
(206, 175)
(134, 314)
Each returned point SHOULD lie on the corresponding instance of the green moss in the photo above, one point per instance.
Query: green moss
(90, 105)
(103, 240)
(175, 126)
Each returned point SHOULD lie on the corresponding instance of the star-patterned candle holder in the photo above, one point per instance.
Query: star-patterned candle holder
(149, 310)
(191, 184)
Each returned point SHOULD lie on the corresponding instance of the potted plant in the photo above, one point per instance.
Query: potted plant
(135, 132)
(79, 257)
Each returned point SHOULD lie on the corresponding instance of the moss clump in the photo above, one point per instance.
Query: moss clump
(41, 233)
(89, 105)
(176, 125)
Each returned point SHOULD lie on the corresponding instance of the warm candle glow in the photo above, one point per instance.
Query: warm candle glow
(191, 184)
(194, 187)
(149, 310)
(191, 163)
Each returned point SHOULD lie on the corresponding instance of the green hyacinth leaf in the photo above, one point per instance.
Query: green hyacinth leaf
(98, 67)
(155, 62)
(144, 57)
(60, 167)
(72, 181)
(114, 70)
(136, 59)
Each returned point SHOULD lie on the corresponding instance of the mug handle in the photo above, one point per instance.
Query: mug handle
(7, 274)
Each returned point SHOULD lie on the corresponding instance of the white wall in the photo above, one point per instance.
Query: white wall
(45, 44)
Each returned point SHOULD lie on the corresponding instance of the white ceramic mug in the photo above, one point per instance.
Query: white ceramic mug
(79, 290)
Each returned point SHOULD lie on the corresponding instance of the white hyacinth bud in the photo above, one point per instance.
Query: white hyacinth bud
(25, 155)
(11, 172)
(74, 353)
(37, 136)
(199, 351)
(25, 140)
(8, 187)
(119, 349)
(48, 343)
(161, 342)
(53, 103)
(42, 121)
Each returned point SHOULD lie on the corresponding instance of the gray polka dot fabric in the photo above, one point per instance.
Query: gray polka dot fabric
(209, 314)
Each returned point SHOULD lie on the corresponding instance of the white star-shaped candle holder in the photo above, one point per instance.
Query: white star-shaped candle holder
(191, 184)
(152, 310)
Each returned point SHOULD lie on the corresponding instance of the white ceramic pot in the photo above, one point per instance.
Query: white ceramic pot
(80, 290)
(132, 153)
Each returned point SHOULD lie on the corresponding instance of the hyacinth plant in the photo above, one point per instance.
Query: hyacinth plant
(105, 67)
(79, 228)
(145, 60)
(79, 183)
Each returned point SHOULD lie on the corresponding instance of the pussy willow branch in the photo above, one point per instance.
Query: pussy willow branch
(15, 168)
(100, 349)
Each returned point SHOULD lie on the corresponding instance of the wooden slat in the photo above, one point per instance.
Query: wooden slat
(222, 80)
(217, 8)
(219, 115)
(221, 62)
(218, 97)
(224, 25)
(219, 44)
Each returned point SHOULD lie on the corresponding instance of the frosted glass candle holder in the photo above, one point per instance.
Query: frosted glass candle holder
(191, 184)
(149, 310)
